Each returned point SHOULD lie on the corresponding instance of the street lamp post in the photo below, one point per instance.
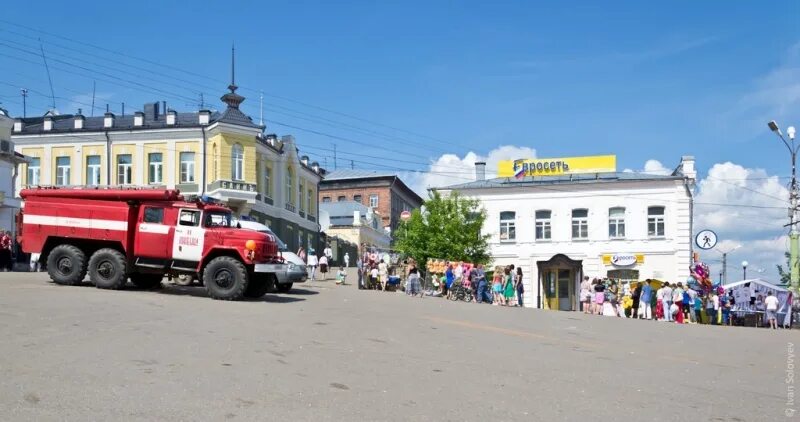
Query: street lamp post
(744, 270)
(724, 273)
(794, 234)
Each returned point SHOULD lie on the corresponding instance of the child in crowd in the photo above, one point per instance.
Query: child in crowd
(341, 276)
(497, 286)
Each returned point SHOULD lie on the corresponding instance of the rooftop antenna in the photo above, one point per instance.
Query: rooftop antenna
(24, 93)
(123, 109)
(352, 166)
(94, 88)
(261, 120)
(49, 79)
(202, 102)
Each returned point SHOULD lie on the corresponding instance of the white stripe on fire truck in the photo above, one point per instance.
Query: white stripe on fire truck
(83, 223)
(153, 228)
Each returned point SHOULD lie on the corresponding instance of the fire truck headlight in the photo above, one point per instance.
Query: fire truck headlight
(250, 245)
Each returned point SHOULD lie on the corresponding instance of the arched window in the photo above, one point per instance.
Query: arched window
(237, 162)
(616, 223)
(508, 230)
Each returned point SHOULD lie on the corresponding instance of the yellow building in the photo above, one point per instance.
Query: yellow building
(220, 154)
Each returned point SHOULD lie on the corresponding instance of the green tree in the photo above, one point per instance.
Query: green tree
(450, 229)
(786, 276)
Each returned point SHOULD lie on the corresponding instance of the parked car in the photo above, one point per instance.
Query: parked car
(297, 271)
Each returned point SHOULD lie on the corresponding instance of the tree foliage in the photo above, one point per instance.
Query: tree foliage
(449, 229)
(786, 276)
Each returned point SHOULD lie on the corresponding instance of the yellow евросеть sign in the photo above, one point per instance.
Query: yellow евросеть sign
(557, 166)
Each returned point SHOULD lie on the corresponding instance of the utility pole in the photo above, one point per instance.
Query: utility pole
(24, 102)
(724, 268)
(794, 234)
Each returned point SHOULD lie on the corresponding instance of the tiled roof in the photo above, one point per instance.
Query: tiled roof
(508, 182)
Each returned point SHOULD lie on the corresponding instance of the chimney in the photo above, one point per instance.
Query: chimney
(138, 118)
(272, 139)
(356, 218)
(687, 167)
(108, 120)
(172, 117)
(151, 111)
(480, 170)
(304, 160)
(78, 121)
(48, 123)
(18, 125)
(204, 117)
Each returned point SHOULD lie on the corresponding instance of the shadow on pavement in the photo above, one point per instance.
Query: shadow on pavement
(302, 292)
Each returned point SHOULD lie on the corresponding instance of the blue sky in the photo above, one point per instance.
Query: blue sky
(642, 80)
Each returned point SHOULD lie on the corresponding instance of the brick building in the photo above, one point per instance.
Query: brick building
(383, 192)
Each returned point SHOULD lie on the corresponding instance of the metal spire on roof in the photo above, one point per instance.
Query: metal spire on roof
(232, 99)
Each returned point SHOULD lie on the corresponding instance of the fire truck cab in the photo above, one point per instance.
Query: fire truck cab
(144, 234)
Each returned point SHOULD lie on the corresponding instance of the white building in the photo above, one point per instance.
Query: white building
(559, 226)
(9, 162)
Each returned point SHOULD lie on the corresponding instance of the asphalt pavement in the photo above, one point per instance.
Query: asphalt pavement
(328, 352)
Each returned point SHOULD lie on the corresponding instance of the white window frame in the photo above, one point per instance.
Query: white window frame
(310, 201)
(543, 225)
(124, 170)
(34, 171)
(155, 169)
(237, 162)
(615, 223)
(374, 200)
(62, 172)
(187, 167)
(582, 224)
(289, 186)
(301, 198)
(93, 171)
(508, 226)
(658, 221)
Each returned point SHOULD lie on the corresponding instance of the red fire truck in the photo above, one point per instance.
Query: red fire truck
(143, 234)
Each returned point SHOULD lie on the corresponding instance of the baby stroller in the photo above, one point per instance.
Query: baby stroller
(460, 292)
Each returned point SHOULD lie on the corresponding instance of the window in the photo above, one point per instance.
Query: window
(124, 169)
(237, 162)
(153, 215)
(326, 199)
(655, 221)
(33, 171)
(189, 218)
(93, 170)
(310, 201)
(155, 173)
(616, 223)
(543, 225)
(62, 171)
(341, 198)
(580, 224)
(508, 231)
(300, 196)
(373, 201)
(357, 198)
(187, 167)
(268, 181)
(289, 184)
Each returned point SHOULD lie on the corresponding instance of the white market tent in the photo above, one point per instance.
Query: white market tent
(783, 294)
(758, 281)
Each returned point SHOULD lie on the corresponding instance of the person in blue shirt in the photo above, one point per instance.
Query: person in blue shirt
(645, 299)
(449, 278)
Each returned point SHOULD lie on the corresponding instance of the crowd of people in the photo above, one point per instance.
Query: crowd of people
(502, 286)
(669, 302)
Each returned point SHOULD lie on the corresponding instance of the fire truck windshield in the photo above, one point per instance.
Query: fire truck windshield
(218, 219)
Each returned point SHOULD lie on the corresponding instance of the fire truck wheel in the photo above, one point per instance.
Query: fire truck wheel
(225, 278)
(146, 281)
(108, 269)
(66, 265)
(259, 286)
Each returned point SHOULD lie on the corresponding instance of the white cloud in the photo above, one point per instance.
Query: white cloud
(451, 169)
(651, 167)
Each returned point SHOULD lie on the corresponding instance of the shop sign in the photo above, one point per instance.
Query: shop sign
(623, 259)
(556, 166)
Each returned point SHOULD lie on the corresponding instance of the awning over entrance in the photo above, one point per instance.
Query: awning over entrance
(559, 279)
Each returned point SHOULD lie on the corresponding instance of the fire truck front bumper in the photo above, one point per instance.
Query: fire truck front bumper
(271, 268)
